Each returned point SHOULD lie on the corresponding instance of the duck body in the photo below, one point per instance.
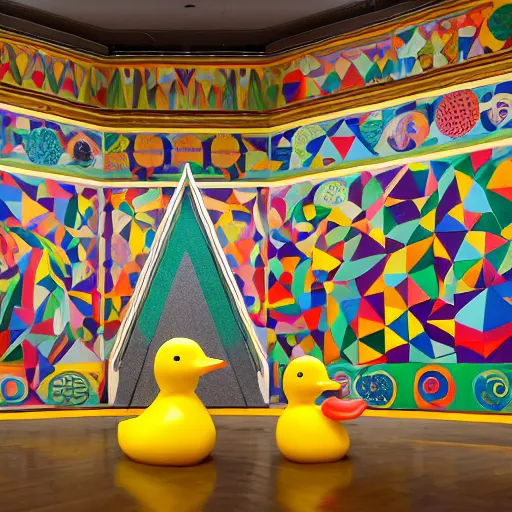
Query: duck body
(176, 429)
(173, 431)
(307, 433)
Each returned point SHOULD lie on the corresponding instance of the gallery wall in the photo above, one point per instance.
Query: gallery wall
(377, 239)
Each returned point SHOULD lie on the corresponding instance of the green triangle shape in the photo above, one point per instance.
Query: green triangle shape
(431, 204)
(371, 193)
(420, 233)
(461, 267)
(466, 167)
(441, 350)
(487, 222)
(348, 339)
(375, 341)
(497, 257)
(403, 232)
(389, 221)
(417, 356)
(426, 279)
(426, 261)
(352, 353)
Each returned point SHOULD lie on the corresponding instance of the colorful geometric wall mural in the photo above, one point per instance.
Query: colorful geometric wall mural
(162, 156)
(50, 347)
(442, 122)
(398, 276)
(407, 266)
(399, 280)
(404, 52)
(40, 144)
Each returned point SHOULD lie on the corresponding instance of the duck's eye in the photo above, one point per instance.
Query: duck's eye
(300, 374)
(176, 358)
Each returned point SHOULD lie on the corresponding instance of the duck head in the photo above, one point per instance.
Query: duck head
(305, 379)
(179, 363)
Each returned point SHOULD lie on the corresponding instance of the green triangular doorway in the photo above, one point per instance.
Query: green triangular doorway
(186, 296)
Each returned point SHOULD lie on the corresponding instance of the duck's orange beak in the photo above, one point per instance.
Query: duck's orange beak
(209, 364)
(329, 385)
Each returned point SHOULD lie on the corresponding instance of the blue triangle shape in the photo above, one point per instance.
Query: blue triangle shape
(449, 224)
(400, 326)
(423, 343)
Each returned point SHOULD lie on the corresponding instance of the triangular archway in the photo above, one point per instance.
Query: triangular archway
(186, 289)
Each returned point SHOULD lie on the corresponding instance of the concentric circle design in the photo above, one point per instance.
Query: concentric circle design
(377, 389)
(492, 390)
(434, 387)
(13, 389)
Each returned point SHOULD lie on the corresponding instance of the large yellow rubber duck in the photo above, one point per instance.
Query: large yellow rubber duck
(176, 429)
(307, 433)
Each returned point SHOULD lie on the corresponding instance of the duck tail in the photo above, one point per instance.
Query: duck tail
(343, 410)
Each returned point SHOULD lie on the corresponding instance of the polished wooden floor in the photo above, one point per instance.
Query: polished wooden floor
(396, 465)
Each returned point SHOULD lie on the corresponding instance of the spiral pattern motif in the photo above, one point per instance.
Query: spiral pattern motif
(492, 390)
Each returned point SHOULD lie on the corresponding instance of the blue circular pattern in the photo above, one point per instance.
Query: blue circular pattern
(21, 390)
(492, 390)
(433, 386)
(44, 147)
(377, 389)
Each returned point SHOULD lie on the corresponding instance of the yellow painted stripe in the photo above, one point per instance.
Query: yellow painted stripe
(106, 412)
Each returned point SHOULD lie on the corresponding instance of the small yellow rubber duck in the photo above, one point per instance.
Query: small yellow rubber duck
(176, 429)
(307, 433)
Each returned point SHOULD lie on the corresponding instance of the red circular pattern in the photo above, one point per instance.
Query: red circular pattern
(457, 113)
(431, 385)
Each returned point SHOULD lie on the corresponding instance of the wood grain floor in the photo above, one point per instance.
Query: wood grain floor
(394, 465)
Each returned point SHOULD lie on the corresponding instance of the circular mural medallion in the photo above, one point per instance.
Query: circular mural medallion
(434, 387)
(492, 390)
(457, 113)
(69, 389)
(377, 389)
(44, 147)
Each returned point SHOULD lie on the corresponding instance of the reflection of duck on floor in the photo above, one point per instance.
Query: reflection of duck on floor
(306, 488)
(159, 489)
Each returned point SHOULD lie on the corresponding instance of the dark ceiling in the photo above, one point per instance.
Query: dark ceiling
(195, 26)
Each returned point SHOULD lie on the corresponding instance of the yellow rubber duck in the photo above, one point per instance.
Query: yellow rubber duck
(176, 429)
(307, 433)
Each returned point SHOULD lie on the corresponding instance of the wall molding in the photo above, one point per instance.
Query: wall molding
(433, 47)
(492, 68)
